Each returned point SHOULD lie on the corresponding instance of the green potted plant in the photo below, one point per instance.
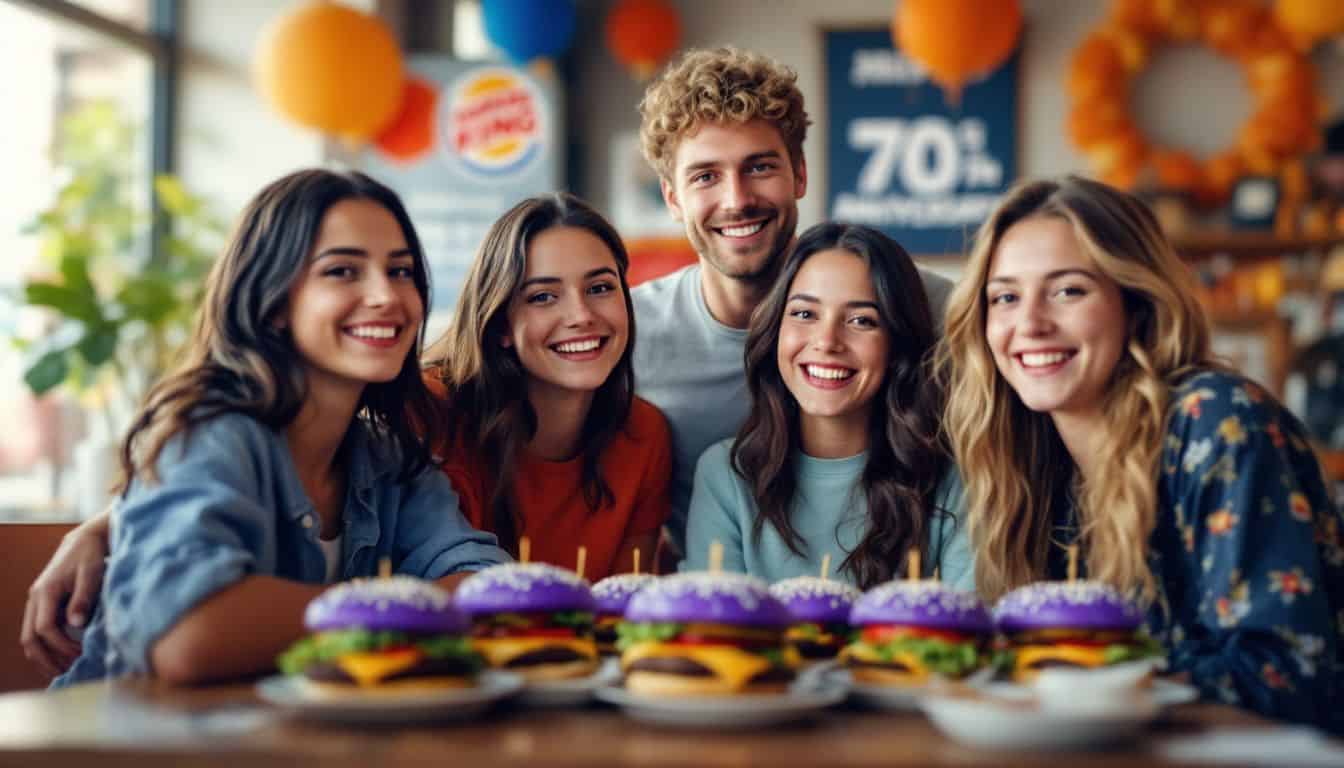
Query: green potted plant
(116, 309)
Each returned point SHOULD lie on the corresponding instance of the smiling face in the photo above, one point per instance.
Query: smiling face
(568, 320)
(735, 190)
(1056, 325)
(833, 345)
(354, 312)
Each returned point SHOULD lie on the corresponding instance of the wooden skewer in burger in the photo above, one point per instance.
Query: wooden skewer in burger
(706, 633)
(911, 630)
(1073, 623)
(820, 608)
(612, 595)
(534, 619)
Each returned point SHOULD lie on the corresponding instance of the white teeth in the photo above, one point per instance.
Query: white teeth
(578, 346)
(374, 331)
(1034, 359)
(823, 372)
(743, 231)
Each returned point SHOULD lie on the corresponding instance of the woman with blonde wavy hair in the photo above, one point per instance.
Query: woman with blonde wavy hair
(1085, 407)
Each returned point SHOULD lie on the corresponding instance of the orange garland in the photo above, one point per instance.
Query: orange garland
(1282, 126)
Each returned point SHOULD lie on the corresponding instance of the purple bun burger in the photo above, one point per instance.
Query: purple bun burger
(820, 609)
(531, 618)
(611, 595)
(1068, 624)
(388, 634)
(703, 633)
(910, 630)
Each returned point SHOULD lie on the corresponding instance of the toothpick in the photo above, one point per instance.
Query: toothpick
(936, 576)
(636, 561)
(912, 565)
(524, 549)
(1073, 563)
(385, 568)
(825, 565)
(583, 557)
(716, 556)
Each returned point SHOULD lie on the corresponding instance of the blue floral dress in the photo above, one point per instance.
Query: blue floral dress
(1248, 554)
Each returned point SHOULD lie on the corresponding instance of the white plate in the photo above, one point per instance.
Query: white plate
(1163, 693)
(724, 712)
(905, 698)
(1012, 716)
(574, 691)
(993, 722)
(422, 706)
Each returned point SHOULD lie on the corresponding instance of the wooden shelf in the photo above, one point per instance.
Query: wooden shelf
(1249, 245)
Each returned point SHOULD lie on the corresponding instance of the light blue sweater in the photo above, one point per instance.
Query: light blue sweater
(829, 513)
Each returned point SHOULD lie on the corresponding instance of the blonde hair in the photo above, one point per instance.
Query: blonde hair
(1016, 469)
(717, 86)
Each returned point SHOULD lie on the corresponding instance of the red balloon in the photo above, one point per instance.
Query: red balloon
(411, 133)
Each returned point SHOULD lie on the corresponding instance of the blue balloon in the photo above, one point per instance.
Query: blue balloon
(529, 29)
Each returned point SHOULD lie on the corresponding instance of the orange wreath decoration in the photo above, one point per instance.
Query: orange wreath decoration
(1283, 125)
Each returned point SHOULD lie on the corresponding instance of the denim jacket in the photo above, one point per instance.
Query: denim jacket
(229, 504)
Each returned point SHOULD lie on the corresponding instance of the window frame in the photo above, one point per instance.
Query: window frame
(161, 43)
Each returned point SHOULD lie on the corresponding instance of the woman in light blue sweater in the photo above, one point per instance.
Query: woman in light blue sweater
(841, 454)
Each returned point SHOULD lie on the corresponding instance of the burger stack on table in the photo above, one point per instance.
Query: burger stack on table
(720, 649)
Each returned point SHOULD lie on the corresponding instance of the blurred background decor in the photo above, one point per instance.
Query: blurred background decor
(642, 34)
(114, 312)
(331, 68)
(1285, 119)
(530, 32)
(957, 41)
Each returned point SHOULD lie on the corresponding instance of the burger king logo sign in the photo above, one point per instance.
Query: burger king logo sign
(494, 122)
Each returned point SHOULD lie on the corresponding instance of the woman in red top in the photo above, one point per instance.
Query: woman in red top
(542, 434)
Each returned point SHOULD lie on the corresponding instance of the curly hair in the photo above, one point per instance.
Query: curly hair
(1016, 468)
(719, 85)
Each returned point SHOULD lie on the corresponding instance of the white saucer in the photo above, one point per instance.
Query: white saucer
(288, 694)
(1012, 716)
(724, 712)
(573, 692)
(897, 697)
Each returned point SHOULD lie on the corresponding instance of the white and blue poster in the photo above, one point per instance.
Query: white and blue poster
(904, 160)
(494, 138)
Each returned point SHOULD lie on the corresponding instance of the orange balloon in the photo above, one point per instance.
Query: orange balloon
(1231, 26)
(642, 34)
(332, 68)
(1310, 21)
(411, 133)
(957, 41)
(1093, 122)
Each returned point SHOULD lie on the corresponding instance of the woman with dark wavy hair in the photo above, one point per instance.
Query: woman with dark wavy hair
(284, 454)
(840, 454)
(543, 435)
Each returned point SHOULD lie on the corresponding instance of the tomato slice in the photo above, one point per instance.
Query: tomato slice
(879, 635)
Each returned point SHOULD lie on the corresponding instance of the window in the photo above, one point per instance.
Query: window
(75, 78)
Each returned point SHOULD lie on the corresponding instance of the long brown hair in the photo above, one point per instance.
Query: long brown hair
(906, 461)
(487, 385)
(1015, 466)
(238, 359)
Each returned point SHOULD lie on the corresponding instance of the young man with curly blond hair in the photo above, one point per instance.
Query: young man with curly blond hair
(724, 129)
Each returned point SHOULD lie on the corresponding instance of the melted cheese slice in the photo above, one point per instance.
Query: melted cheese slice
(372, 668)
(732, 665)
(499, 651)
(866, 653)
(1082, 655)
(799, 635)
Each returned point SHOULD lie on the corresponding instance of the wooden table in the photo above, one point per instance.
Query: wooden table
(144, 724)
